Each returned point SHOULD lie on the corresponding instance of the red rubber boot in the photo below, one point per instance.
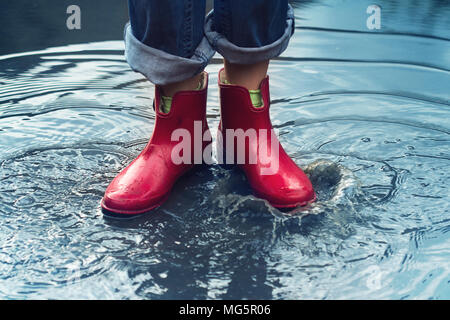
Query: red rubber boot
(272, 174)
(146, 183)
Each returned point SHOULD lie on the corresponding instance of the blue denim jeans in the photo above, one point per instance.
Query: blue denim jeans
(171, 41)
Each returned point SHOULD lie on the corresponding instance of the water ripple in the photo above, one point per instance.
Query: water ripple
(374, 146)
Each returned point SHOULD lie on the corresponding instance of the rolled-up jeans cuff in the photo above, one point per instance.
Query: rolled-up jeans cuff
(249, 55)
(160, 67)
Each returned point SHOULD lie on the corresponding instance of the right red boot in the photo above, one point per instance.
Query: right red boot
(272, 174)
(146, 183)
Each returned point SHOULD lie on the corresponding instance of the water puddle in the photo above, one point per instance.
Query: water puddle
(372, 134)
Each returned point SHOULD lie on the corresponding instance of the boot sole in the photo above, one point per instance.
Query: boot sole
(130, 214)
(293, 206)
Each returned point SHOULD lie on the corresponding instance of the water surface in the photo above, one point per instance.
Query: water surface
(365, 113)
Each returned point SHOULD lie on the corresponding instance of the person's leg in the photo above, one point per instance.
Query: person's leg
(175, 26)
(248, 34)
(165, 42)
(251, 24)
(246, 75)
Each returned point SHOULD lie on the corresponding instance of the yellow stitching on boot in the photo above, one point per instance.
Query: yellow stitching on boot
(256, 97)
(166, 104)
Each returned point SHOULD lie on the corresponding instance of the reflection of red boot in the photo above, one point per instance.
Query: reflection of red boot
(146, 183)
(272, 174)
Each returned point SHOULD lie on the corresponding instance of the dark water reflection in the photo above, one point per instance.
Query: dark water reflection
(366, 113)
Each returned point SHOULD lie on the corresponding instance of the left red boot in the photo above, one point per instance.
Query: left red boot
(272, 174)
(146, 183)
